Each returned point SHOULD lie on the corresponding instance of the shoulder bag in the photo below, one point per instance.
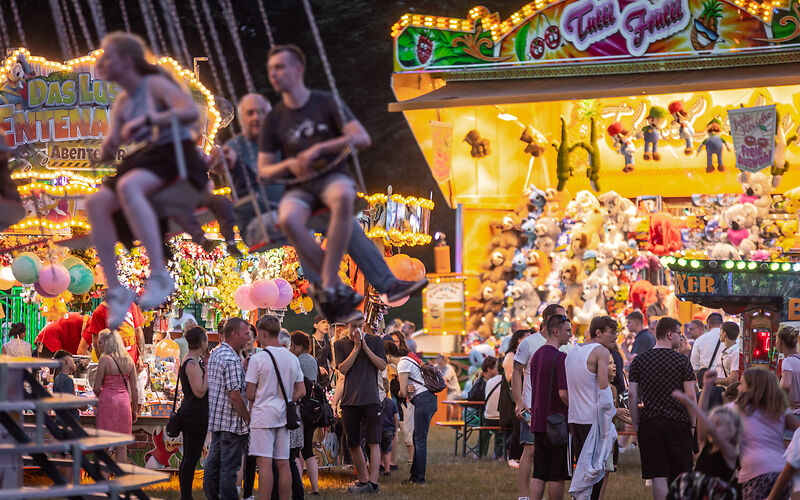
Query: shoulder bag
(292, 412)
(175, 422)
(557, 432)
(432, 379)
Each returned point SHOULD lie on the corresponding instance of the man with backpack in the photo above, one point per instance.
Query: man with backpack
(308, 365)
(419, 382)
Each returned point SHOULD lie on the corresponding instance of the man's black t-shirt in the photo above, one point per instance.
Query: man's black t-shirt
(659, 371)
(361, 382)
(321, 350)
(290, 131)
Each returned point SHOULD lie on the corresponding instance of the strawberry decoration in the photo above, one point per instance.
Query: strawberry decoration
(552, 36)
(424, 49)
(537, 47)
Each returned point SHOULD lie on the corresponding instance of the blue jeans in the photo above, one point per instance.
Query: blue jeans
(367, 256)
(424, 407)
(221, 465)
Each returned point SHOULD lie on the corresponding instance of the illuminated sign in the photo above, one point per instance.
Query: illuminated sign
(55, 115)
(553, 32)
(689, 284)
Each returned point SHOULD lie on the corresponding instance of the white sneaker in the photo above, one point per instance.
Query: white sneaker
(513, 463)
(159, 287)
(118, 301)
(251, 497)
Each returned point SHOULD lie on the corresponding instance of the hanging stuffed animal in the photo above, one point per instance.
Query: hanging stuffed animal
(535, 140)
(685, 130)
(592, 301)
(547, 230)
(480, 145)
(651, 133)
(623, 144)
(713, 145)
(742, 231)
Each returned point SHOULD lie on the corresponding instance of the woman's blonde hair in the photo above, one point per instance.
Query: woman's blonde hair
(735, 420)
(112, 343)
(130, 45)
(788, 336)
(763, 393)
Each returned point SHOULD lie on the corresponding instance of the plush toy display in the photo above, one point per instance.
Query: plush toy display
(480, 146)
(593, 303)
(641, 294)
(665, 236)
(623, 144)
(713, 145)
(685, 130)
(547, 230)
(651, 133)
(757, 189)
(740, 222)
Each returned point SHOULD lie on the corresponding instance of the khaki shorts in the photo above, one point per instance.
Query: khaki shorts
(270, 443)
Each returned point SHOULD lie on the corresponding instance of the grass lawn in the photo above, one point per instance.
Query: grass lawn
(449, 477)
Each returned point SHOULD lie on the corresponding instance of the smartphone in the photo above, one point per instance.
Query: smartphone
(526, 416)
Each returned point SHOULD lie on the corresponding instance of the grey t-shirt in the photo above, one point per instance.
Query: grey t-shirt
(308, 365)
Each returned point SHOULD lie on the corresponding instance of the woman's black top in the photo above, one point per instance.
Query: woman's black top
(713, 464)
(192, 405)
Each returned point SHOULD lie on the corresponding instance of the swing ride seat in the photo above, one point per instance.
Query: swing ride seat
(11, 212)
(317, 222)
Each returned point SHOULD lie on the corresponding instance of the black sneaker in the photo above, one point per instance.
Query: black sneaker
(402, 289)
(364, 488)
(393, 467)
(339, 304)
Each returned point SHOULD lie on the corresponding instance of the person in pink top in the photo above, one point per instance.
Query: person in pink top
(115, 387)
(762, 406)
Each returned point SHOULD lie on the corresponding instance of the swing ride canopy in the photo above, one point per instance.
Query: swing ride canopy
(611, 61)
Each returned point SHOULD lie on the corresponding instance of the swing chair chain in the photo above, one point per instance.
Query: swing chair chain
(334, 90)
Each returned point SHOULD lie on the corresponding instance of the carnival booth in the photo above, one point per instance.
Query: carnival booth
(580, 141)
(763, 293)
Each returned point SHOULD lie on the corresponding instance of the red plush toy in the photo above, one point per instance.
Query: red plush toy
(642, 293)
(665, 234)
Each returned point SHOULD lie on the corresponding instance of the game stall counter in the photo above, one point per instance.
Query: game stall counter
(582, 141)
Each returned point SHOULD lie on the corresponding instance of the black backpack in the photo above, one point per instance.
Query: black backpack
(431, 378)
(477, 390)
(315, 411)
(506, 405)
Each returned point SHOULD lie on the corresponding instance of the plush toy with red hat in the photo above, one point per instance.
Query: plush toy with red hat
(685, 130)
(622, 144)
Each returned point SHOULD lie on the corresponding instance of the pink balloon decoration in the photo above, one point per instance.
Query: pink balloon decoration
(242, 298)
(54, 279)
(285, 293)
(264, 293)
(40, 291)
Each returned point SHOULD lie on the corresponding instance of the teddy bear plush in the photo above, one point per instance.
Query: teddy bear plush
(792, 200)
(572, 281)
(533, 203)
(724, 251)
(499, 264)
(608, 280)
(506, 231)
(621, 211)
(592, 301)
(665, 235)
(740, 222)
(493, 296)
(538, 267)
(525, 301)
(547, 230)
(757, 189)
(584, 204)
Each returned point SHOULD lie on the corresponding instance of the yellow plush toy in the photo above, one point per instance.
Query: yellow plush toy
(792, 197)
(789, 238)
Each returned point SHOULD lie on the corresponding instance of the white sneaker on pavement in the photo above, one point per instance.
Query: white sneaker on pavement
(159, 287)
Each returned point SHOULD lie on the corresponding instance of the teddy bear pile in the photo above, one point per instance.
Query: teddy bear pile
(600, 254)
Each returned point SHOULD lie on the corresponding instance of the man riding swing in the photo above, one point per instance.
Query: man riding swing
(306, 129)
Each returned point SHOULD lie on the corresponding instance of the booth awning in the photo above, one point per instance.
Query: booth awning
(513, 91)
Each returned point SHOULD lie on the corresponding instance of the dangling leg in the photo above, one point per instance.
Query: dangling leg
(133, 190)
(338, 196)
(101, 206)
(292, 217)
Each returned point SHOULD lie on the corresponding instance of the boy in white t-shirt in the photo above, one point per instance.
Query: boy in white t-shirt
(269, 437)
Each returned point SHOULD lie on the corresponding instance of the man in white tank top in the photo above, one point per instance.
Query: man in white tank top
(587, 375)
